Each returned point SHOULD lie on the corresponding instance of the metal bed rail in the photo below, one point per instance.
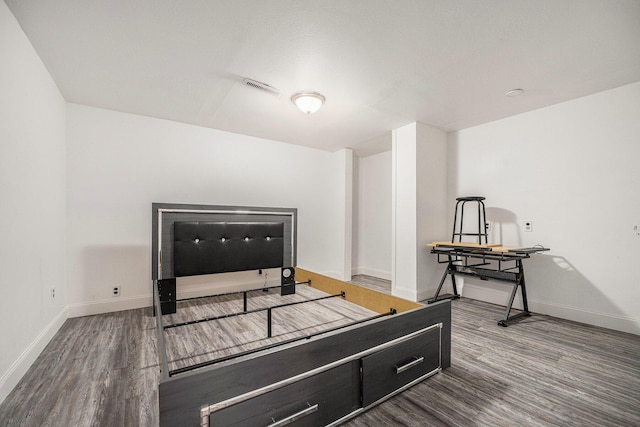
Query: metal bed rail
(244, 292)
(255, 310)
(277, 344)
(161, 327)
(162, 348)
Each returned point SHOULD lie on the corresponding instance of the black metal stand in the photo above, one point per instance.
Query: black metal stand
(449, 270)
(491, 267)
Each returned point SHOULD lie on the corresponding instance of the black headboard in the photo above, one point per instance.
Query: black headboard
(218, 247)
(165, 215)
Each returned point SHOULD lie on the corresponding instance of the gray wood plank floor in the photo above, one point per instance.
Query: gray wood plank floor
(103, 371)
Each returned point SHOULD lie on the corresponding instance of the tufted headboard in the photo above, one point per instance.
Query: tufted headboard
(218, 247)
(163, 239)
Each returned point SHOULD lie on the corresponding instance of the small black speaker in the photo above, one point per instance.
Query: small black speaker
(287, 281)
(167, 294)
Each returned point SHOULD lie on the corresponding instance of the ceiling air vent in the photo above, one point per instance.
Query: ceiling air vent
(261, 86)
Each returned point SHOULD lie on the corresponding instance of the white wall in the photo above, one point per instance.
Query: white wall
(32, 190)
(119, 164)
(572, 170)
(372, 204)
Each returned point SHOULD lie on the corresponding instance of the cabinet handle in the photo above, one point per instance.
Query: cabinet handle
(291, 418)
(416, 361)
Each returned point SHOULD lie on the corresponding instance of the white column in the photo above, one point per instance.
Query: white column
(403, 212)
(432, 205)
(346, 222)
(419, 208)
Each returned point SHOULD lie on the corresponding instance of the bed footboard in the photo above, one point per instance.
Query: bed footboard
(323, 381)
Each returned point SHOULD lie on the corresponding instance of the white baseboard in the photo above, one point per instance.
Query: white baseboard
(493, 295)
(412, 295)
(490, 294)
(386, 275)
(605, 320)
(407, 294)
(17, 370)
(108, 305)
(333, 274)
(183, 290)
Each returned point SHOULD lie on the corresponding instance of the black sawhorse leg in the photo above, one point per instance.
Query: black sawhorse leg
(449, 270)
(525, 306)
(516, 279)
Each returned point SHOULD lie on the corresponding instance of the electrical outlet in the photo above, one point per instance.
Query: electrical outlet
(53, 293)
(116, 291)
(528, 226)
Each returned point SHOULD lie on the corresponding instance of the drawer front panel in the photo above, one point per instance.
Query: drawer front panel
(388, 370)
(314, 401)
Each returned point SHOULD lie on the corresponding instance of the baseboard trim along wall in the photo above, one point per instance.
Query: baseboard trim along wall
(386, 275)
(412, 295)
(109, 305)
(184, 290)
(467, 289)
(606, 320)
(17, 370)
(489, 294)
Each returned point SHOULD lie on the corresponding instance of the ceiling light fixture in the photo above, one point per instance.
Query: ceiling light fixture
(308, 102)
(514, 92)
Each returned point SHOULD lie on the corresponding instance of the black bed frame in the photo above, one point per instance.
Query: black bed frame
(324, 380)
(320, 379)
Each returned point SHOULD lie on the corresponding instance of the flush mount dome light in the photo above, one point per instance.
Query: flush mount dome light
(308, 102)
(514, 92)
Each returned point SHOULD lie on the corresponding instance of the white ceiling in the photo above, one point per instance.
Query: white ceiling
(380, 63)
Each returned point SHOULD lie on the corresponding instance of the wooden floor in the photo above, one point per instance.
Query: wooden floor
(103, 371)
(540, 371)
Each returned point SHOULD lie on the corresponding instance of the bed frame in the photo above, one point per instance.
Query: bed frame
(321, 379)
